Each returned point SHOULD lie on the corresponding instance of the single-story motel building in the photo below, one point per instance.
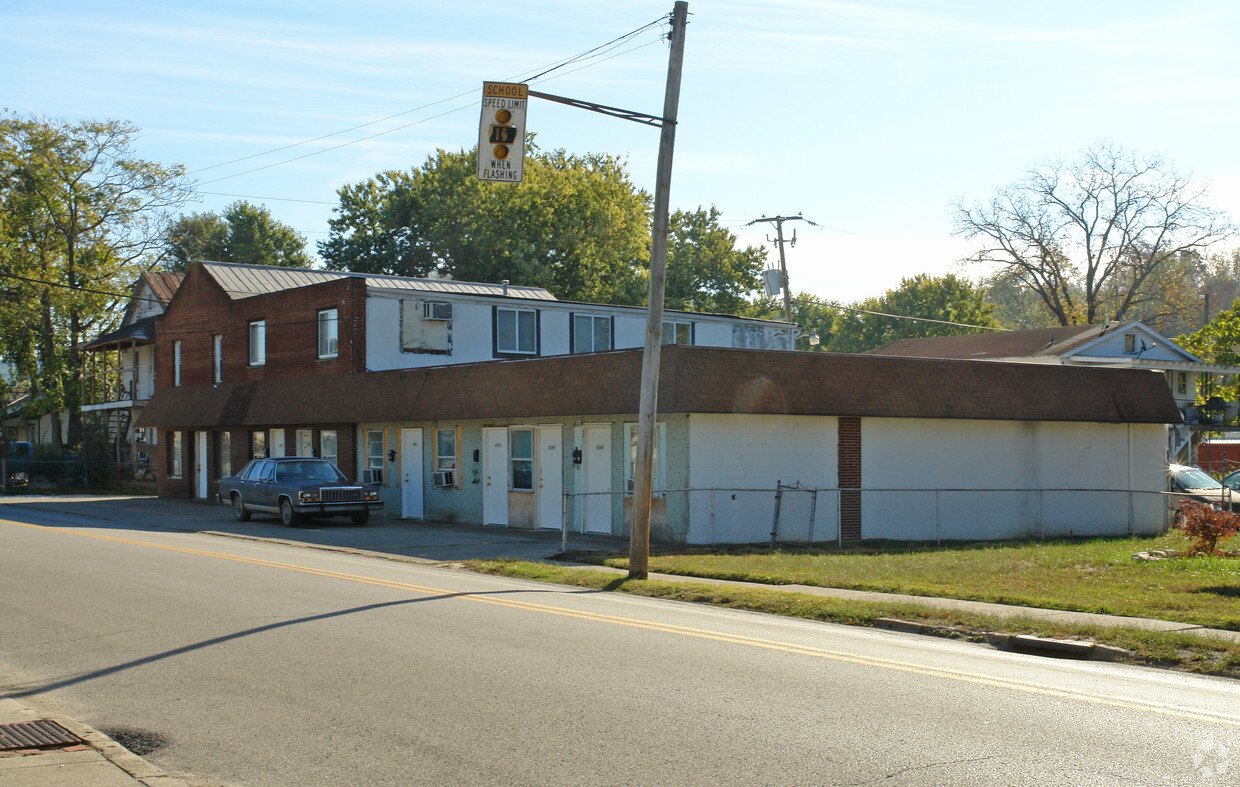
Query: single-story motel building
(886, 447)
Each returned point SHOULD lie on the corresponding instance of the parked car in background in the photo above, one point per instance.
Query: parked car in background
(1232, 482)
(297, 488)
(17, 463)
(1193, 483)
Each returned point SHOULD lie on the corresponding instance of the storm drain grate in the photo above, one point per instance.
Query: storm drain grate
(35, 735)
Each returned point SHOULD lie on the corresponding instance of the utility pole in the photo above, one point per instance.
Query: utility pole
(639, 533)
(778, 221)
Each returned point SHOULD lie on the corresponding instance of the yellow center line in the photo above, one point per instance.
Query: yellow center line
(1027, 687)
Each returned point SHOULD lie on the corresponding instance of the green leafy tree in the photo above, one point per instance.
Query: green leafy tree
(80, 216)
(244, 233)
(1218, 342)
(1086, 236)
(705, 270)
(576, 225)
(922, 306)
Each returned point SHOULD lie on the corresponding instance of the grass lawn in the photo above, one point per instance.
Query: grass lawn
(1097, 575)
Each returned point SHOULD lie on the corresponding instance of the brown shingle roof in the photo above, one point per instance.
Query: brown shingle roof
(692, 380)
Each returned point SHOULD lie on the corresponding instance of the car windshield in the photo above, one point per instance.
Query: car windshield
(308, 472)
(1192, 478)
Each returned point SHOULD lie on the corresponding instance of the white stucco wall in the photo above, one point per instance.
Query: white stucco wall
(1088, 469)
(745, 457)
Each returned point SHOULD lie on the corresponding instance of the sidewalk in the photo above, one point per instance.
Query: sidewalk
(83, 758)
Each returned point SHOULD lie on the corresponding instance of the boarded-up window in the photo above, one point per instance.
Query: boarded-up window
(420, 335)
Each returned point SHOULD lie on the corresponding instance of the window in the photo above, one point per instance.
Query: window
(1130, 342)
(521, 452)
(176, 363)
(225, 455)
(258, 445)
(591, 333)
(327, 446)
(305, 442)
(258, 343)
(174, 455)
(656, 476)
(516, 331)
(217, 358)
(374, 450)
(1181, 383)
(328, 333)
(678, 333)
(445, 449)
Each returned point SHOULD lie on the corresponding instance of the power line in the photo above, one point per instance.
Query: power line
(834, 305)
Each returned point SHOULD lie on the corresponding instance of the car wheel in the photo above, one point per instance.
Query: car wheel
(239, 510)
(288, 515)
(361, 517)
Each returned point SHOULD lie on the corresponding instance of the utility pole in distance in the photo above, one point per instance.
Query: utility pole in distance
(778, 221)
(639, 533)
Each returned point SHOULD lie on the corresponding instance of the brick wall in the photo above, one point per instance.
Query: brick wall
(849, 474)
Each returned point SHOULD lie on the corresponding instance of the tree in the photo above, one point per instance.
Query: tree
(245, 233)
(705, 270)
(1218, 342)
(931, 302)
(81, 215)
(1079, 233)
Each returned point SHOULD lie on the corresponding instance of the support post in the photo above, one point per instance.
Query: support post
(639, 533)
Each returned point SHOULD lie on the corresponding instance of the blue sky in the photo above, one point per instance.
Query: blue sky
(870, 118)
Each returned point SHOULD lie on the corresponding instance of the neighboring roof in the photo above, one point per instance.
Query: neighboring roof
(692, 380)
(244, 281)
(1035, 343)
(163, 284)
(138, 332)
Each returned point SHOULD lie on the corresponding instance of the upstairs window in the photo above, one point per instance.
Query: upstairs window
(258, 342)
(1130, 342)
(516, 331)
(677, 332)
(176, 363)
(217, 358)
(328, 335)
(591, 333)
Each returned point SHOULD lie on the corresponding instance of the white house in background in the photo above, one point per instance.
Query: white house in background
(1112, 345)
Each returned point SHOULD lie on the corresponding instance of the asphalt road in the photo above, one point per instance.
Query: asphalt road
(271, 664)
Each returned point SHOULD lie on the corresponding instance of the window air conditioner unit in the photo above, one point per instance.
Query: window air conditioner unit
(443, 478)
(436, 310)
(372, 475)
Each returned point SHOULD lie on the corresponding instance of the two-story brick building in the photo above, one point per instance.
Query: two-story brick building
(493, 404)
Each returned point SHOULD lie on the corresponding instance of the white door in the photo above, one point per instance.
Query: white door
(495, 476)
(277, 443)
(596, 478)
(200, 465)
(412, 478)
(550, 469)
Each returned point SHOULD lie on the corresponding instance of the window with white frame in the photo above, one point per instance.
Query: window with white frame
(516, 331)
(258, 342)
(591, 333)
(217, 358)
(305, 442)
(521, 458)
(1181, 383)
(374, 450)
(445, 449)
(174, 455)
(1130, 342)
(327, 446)
(328, 333)
(677, 332)
(176, 363)
(224, 461)
(656, 479)
(258, 445)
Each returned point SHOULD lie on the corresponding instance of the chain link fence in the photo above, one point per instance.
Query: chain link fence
(795, 515)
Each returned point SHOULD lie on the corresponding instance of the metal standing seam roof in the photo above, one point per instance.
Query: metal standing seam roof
(693, 380)
(244, 281)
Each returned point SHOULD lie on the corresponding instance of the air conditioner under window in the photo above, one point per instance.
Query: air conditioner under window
(443, 478)
(372, 475)
(436, 310)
